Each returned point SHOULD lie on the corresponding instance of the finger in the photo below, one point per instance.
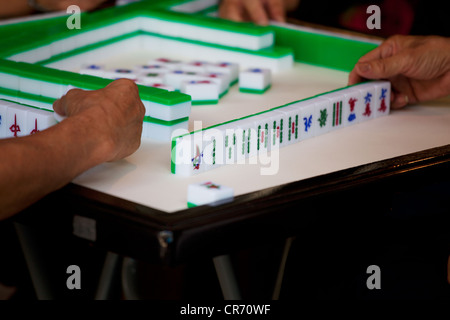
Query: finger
(68, 104)
(276, 10)
(58, 108)
(256, 11)
(354, 78)
(231, 10)
(402, 92)
(385, 68)
(391, 46)
(120, 82)
(123, 87)
(400, 101)
(386, 49)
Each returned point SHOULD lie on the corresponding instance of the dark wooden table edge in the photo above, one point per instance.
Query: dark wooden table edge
(122, 224)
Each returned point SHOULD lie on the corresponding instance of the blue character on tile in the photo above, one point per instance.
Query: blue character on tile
(308, 122)
(367, 100)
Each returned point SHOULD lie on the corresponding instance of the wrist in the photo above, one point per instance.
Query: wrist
(92, 143)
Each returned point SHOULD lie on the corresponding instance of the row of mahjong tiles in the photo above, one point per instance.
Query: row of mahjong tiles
(347, 108)
(256, 135)
(206, 82)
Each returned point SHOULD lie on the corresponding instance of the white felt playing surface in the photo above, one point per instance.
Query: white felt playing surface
(145, 176)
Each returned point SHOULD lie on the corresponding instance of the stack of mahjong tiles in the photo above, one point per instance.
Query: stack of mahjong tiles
(232, 142)
(206, 82)
(165, 112)
(17, 120)
(39, 86)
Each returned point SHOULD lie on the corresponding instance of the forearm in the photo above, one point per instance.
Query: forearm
(14, 8)
(33, 166)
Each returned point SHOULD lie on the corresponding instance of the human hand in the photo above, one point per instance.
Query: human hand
(257, 11)
(59, 5)
(111, 117)
(417, 66)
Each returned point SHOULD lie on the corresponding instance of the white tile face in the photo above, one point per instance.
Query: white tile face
(214, 150)
(181, 155)
(291, 125)
(262, 133)
(150, 78)
(369, 101)
(246, 139)
(222, 79)
(203, 90)
(230, 144)
(382, 98)
(3, 110)
(39, 120)
(208, 192)
(324, 113)
(197, 152)
(232, 69)
(200, 153)
(307, 119)
(352, 105)
(277, 129)
(176, 77)
(256, 78)
(16, 121)
(336, 100)
(195, 66)
(252, 141)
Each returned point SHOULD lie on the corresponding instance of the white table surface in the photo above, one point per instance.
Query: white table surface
(145, 176)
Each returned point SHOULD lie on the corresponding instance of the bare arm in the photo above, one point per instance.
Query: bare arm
(258, 11)
(102, 125)
(9, 9)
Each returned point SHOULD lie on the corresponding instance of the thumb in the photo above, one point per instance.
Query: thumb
(382, 68)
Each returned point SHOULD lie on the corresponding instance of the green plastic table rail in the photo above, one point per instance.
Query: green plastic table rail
(322, 50)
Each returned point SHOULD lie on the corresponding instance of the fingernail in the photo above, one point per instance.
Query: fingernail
(364, 67)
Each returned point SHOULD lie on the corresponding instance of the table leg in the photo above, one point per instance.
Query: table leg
(32, 250)
(110, 272)
(280, 276)
(227, 278)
